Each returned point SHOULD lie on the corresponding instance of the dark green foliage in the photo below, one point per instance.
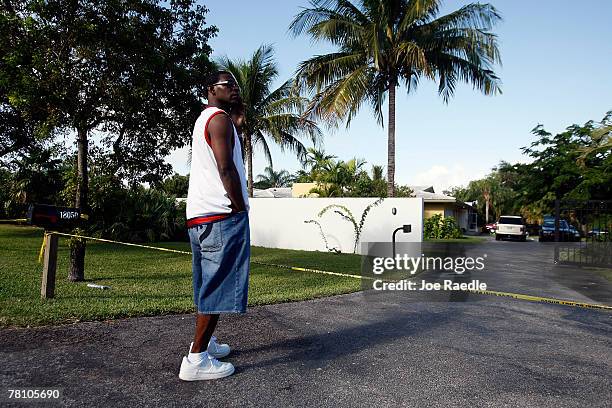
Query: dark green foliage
(273, 179)
(131, 69)
(337, 178)
(436, 227)
(175, 185)
(32, 178)
(148, 215)
(574, 164)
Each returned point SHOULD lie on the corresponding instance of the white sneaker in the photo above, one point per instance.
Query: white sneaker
(208, 369)
(217, 350)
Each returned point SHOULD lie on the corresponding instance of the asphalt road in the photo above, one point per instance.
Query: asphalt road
(362, 349)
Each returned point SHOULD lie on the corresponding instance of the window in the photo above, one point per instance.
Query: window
(511, 220)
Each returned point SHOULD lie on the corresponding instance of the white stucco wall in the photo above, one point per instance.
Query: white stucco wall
(279, 222)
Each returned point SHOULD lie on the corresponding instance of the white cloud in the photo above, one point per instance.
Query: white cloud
(442, 177)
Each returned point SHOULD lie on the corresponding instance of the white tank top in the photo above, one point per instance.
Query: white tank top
(206, 195)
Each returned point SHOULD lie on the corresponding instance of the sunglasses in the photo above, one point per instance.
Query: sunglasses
(229, 84)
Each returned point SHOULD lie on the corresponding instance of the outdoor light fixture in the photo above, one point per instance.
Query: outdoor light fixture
(406, 229)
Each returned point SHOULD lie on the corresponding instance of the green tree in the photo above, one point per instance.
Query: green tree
(302, 176)
(378, 181)
(600, 143)
(573, 164)
(317, 160)
(559, 166)
(175, 185)
(385, 43)
(269, 113)
(273, 179)
(494, 195)
(338, 178)
(32, 178)
(131, 69)
(374, 186)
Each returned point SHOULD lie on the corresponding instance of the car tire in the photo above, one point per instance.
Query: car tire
(497, 237)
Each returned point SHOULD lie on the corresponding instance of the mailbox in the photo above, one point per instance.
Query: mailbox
(52, 217)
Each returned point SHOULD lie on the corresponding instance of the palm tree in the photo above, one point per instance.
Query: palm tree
(483, 186)
(385, 43)
(379, 184)
(317, 159)
(274, 179)
(377, 172)
(275, 114)
(336, 178)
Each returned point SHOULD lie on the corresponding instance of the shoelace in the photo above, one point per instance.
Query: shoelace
(213, 361)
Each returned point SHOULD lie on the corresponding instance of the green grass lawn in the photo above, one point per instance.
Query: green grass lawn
(145, 282)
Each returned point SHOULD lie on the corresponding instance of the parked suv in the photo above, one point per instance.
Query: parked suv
(567, 232)
(512, 227)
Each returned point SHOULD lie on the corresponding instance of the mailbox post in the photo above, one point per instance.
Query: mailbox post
(51, 217)
(47, 287)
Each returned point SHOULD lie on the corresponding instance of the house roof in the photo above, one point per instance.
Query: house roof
(429, 195)
(280, 192)
(428, 189)
(434, 197)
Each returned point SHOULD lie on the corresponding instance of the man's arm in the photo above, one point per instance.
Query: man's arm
(221, 135)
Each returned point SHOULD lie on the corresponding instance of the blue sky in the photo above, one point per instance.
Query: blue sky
(557, 65)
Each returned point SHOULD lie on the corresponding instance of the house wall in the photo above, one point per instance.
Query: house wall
(462, 219)
(303, 190)
(279, 223)
(444, 209)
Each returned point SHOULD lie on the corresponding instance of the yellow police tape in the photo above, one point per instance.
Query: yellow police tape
(295, 268)
(42, 248)
(541, 299)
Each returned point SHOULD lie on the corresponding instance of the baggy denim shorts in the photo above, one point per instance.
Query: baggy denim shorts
(221, 254)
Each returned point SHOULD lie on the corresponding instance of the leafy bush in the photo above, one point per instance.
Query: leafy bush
(436, 227)
(148, 215)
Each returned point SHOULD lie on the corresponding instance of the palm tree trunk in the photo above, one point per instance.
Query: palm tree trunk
(391, 141)
(77, 246)
(249, 152)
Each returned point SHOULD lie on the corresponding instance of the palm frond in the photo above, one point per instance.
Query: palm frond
(474, 15)
(342, 99)
(322, 70)
(418, 11)
(340, 25)
(260, 141)
(451, 69)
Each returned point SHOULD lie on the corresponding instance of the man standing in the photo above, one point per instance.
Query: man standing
(218, 223)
